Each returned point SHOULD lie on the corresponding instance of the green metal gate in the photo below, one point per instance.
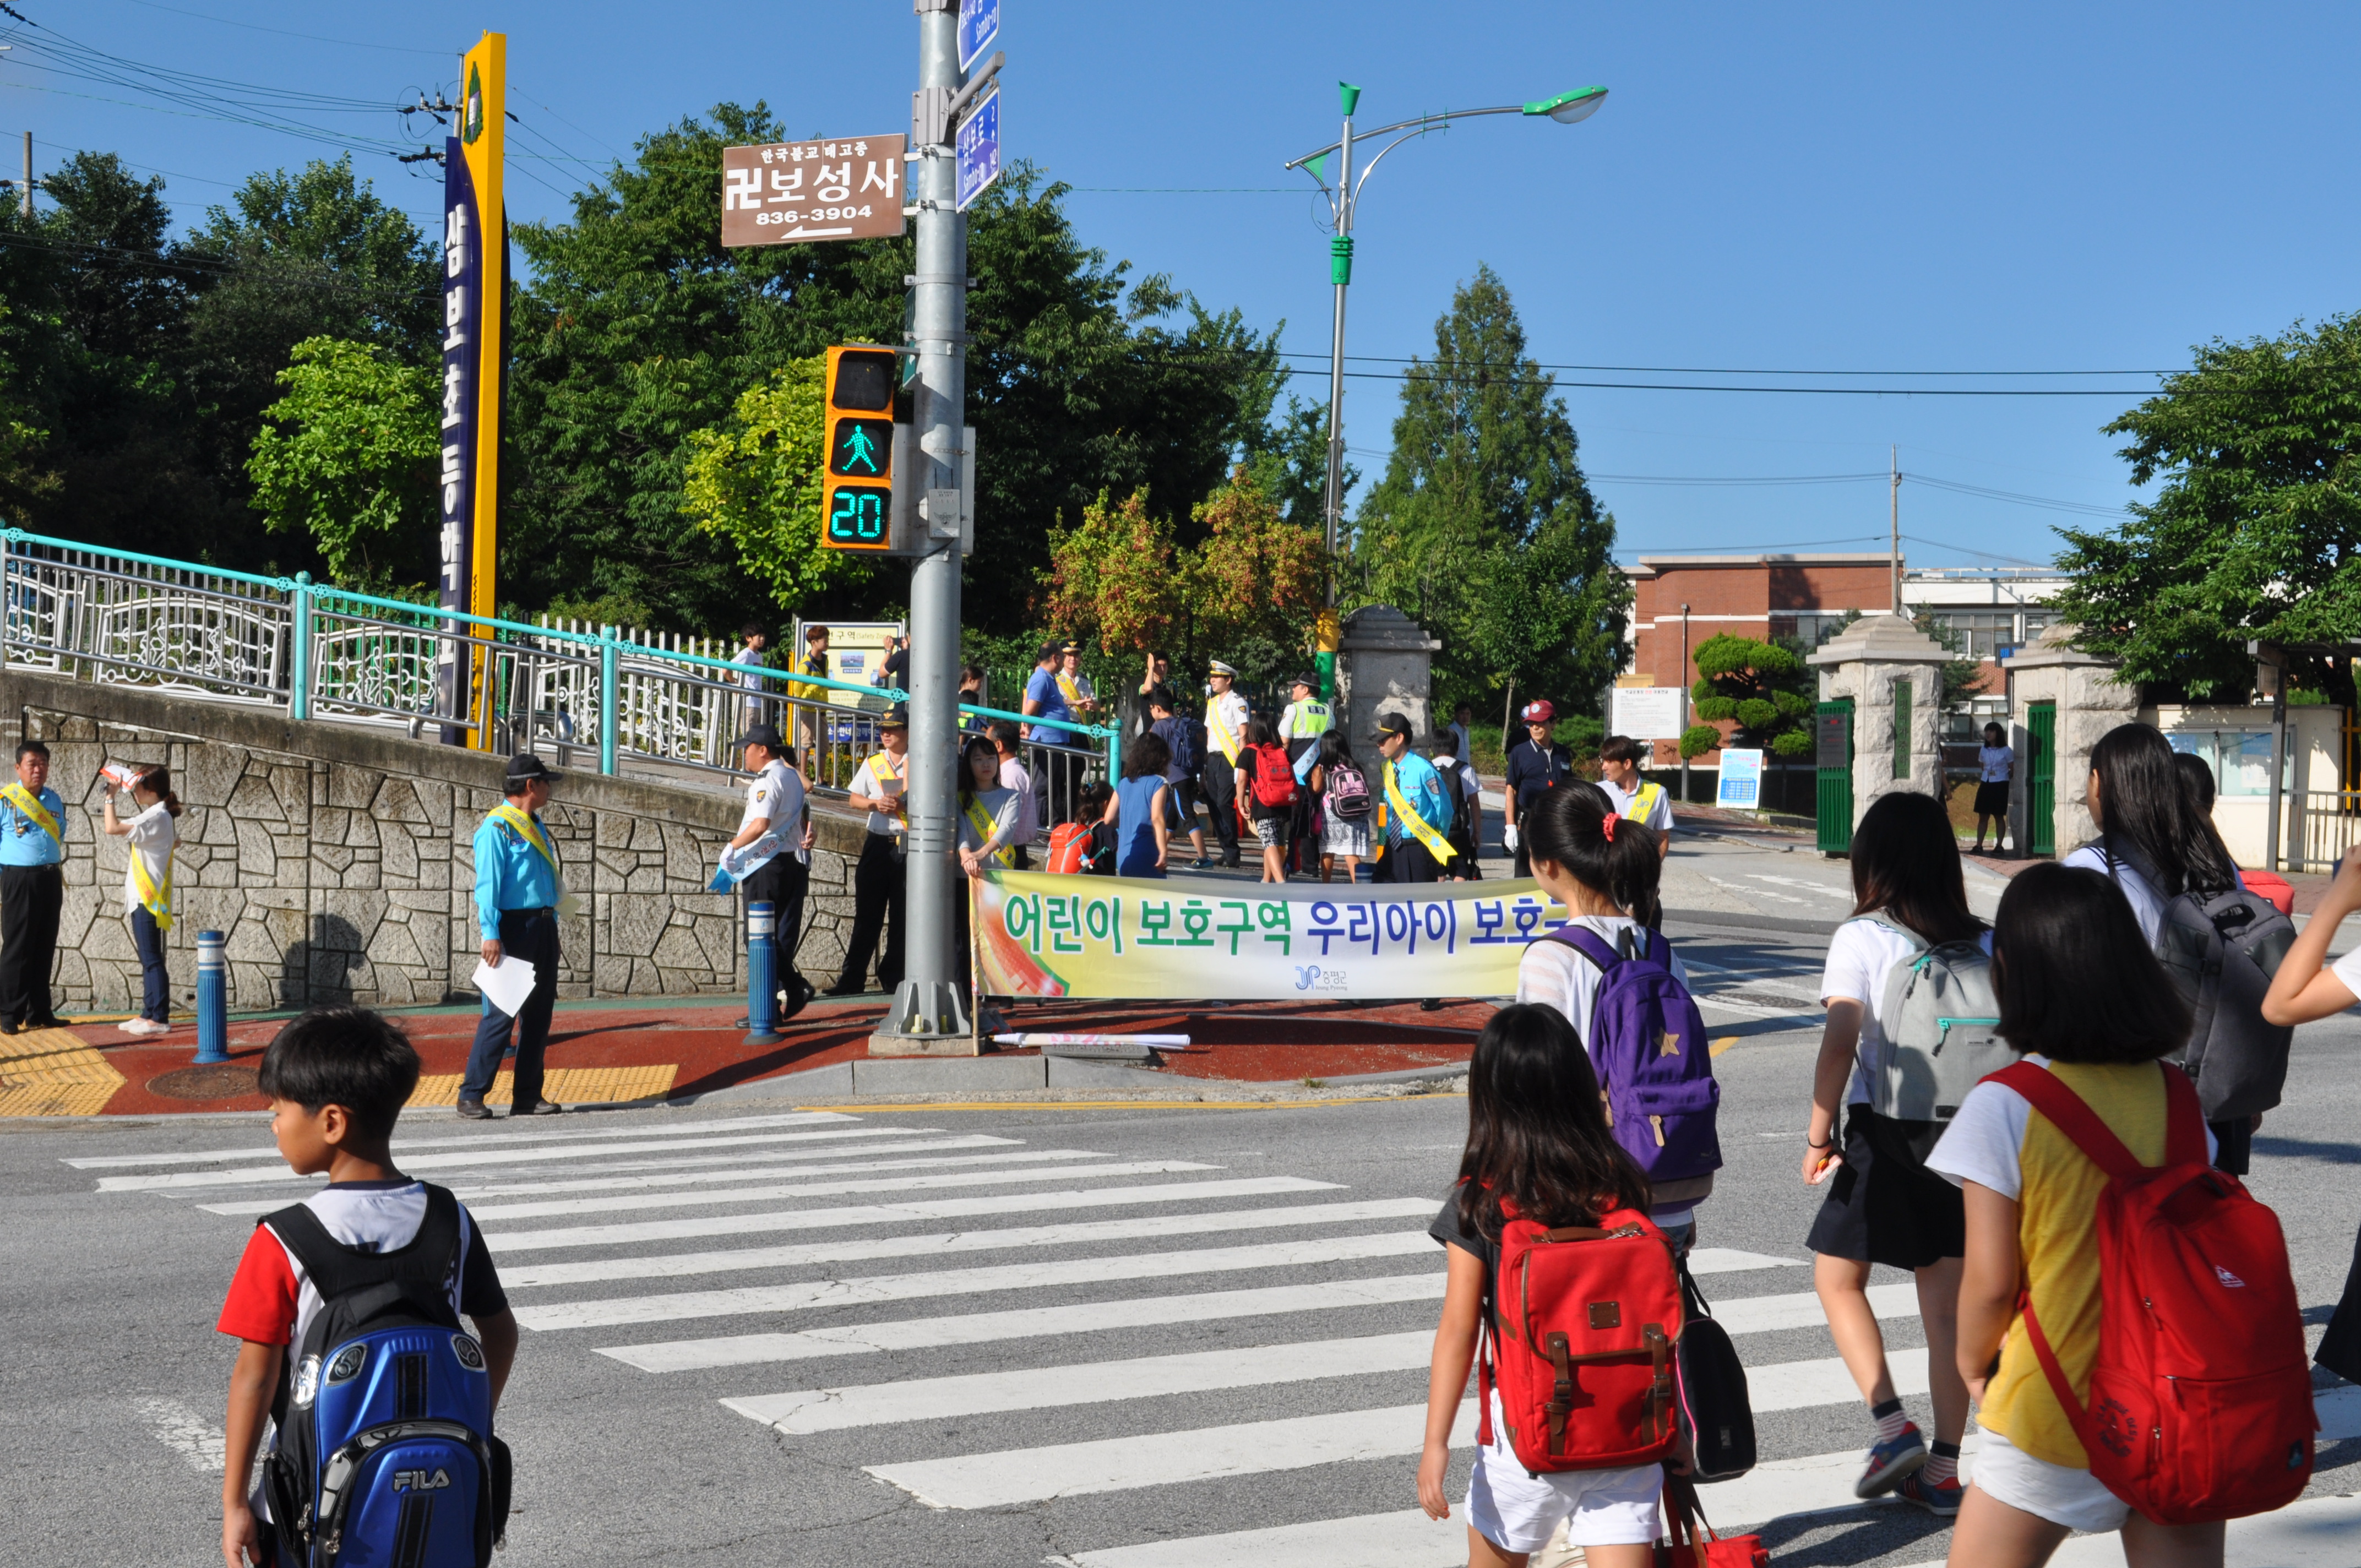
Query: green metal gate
(2041, 777)
(1832, 731)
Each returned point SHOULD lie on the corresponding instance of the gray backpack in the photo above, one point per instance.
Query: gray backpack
(1939, 1016)
(2221, 949)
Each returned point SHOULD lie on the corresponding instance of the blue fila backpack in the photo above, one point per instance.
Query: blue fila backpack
(385, 1456)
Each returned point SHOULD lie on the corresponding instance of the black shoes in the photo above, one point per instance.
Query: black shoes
(539, 1108)
(474, 1111)
(1431, 1004)
(796, 995)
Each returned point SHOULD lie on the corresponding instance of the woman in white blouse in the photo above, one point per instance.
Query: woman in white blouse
(148, 887)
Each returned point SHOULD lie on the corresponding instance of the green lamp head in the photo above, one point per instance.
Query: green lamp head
(1569, 108)
(1350, 95)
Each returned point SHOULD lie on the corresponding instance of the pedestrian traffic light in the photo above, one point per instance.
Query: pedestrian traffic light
(856, 508)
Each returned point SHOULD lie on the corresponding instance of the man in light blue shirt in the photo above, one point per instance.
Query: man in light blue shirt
(32, 891)
(518, 889)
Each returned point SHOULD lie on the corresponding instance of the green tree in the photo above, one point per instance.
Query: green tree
(2255, 532)
(1764, 688)
(1483, 515)
(1113, 578)
(350, 454)
(755, 482)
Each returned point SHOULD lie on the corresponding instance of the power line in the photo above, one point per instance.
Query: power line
(282, 32)
(1691, 370)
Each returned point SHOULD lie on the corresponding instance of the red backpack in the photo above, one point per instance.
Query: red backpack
(1069, 848)
(1274, 779)
(2200, 1398)
(1580, 1343)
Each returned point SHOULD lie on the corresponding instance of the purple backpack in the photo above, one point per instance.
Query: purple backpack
(1648, 1047)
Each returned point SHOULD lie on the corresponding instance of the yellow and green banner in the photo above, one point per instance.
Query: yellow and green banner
(1043, 934)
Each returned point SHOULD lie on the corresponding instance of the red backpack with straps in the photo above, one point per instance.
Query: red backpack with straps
(1579, 1342)
(2200, 1397)
(1069, 853)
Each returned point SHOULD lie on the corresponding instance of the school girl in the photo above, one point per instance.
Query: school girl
(1141, 808)
(2154, 845)
(2082, 996)
(1604, 869)
(1535, 1134)
(148, 887)
(1994, 765)
(2307, 989)
(1883, 1204)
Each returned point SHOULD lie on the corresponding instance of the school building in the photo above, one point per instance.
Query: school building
(1678, 602)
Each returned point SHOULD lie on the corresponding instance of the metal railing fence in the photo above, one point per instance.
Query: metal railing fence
(659, 700)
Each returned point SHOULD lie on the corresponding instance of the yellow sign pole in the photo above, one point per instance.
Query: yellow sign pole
(483, 139)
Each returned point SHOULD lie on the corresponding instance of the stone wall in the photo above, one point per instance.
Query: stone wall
(2092, 699)
(1385, 664)
(1866, 662)
(338, 860)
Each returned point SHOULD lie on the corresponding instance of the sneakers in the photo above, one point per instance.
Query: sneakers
(1890, 1461)
(539, 1108)
(143, 1026)
(475, 1109)
(1940, 1498)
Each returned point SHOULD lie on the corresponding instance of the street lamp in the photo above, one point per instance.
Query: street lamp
(1567, 109)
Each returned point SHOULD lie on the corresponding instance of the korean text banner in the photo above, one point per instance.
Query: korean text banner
(1039, 935)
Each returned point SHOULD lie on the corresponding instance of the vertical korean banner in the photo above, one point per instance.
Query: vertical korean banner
(475, 364)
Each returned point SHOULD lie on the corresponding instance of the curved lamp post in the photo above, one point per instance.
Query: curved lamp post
(1567, 109)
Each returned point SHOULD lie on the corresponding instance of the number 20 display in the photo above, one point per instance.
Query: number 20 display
(857, 479)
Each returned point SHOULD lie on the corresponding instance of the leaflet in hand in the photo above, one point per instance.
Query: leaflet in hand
(741, 862)
(507, 987)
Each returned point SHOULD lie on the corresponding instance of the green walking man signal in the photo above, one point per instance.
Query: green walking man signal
(857, 481)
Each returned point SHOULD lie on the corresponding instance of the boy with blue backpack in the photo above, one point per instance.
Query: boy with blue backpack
(348, 1303)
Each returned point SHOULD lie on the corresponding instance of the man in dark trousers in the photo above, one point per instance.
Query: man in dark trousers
(877, 877)
(1537, 764)
(32, 891)
(518, 888)
(1226, 732)
(775, 808)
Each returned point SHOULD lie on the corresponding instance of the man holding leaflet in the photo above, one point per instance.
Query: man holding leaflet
(517, 894)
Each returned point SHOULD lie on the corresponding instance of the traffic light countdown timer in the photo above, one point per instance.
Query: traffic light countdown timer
(857, 482)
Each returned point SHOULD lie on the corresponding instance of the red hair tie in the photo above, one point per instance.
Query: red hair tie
(1608, 828)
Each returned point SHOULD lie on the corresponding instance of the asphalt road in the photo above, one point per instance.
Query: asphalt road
(973, 1320)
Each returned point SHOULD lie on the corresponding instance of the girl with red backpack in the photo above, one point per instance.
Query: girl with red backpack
(1267, 791)
(1538, 1154)
(2057, 1291)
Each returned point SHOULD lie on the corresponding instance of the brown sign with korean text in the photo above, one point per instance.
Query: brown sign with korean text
(797, 192)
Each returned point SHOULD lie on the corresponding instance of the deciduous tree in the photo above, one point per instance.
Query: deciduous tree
(351, 455)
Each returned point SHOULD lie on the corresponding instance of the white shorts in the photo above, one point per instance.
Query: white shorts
(1518, 1511)
(2072, 1497)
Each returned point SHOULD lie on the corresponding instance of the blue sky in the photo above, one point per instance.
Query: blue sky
(2079, 187)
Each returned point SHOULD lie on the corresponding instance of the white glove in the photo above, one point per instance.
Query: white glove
(1508, 838)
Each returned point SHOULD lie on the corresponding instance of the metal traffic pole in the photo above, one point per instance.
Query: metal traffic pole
(928, 1015)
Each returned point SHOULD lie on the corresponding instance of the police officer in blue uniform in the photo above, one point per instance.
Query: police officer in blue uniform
(32, 891)
(518, 887)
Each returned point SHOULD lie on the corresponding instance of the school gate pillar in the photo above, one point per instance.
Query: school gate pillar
(1892, 674)
(1385, 663)
(2062, 700)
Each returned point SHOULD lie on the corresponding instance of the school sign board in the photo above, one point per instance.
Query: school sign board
(1645, 713)
(1042, 935)
(1741, 780)
(797, 192)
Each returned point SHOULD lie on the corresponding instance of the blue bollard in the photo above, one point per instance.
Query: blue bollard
(212, 998)
(761, 975)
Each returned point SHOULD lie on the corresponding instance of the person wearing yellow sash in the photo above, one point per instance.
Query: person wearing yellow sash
(32, 891)
(879, 783)
(519, 887)
(148, 886)
(1081, 696)
(1418, 809)
(1225, 737)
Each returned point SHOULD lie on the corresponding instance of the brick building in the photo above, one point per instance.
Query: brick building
(1678, 602)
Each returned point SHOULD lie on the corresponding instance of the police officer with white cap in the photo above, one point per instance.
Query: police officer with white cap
(1225, 737)
(519, 887)
(776, 805)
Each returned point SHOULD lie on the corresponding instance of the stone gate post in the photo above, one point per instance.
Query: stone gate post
(1894, 673)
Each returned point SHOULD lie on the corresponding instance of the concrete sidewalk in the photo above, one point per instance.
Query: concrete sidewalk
(606, 1053)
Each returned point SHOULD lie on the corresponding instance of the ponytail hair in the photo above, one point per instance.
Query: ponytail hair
(157, 780)
(1537, 1128)
(1575, 825)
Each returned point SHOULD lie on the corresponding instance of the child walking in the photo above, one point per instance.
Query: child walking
(337, 1078)
(1604, 868)
(1884, 1205)
(1995, 764)
(2082, 996)
(1536, 1137)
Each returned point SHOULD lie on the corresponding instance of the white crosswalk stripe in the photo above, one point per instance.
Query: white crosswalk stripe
(597, 1233)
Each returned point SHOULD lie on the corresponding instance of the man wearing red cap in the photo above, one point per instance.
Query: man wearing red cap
(1536, 764)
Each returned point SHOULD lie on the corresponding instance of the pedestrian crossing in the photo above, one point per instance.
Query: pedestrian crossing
(974, 1320)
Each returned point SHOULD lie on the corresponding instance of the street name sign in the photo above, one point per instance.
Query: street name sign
(979, 149)
(979, 24)
(798, 192)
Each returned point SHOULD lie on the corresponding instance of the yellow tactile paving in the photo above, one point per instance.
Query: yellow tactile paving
(52, 1073)
(565, 1085)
